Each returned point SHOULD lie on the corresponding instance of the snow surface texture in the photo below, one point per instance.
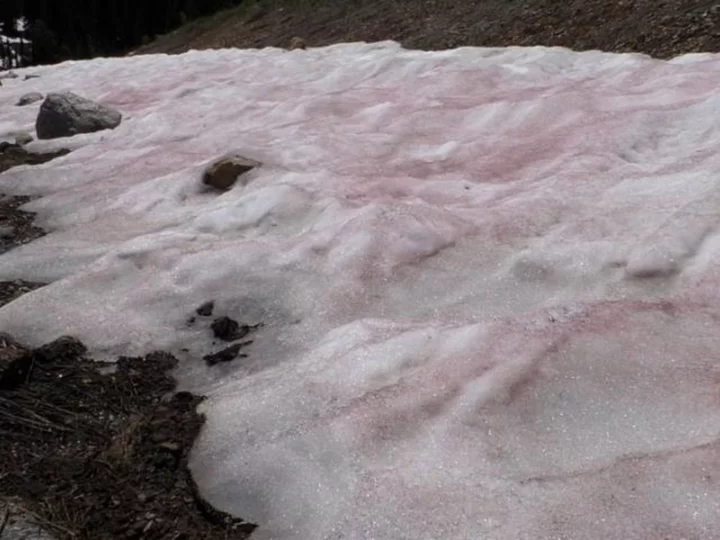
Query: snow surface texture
(489, 280)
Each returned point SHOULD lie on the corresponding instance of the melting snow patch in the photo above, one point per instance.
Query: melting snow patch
(485, 277)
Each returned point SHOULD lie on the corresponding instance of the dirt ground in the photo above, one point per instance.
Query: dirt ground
(660, 28)
(96, 455)
(91, 451)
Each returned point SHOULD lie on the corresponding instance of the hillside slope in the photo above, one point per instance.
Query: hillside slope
(661, 28)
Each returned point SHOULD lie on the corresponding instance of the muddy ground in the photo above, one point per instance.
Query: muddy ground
(92, 451)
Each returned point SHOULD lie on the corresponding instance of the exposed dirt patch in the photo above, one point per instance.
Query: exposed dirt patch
(16, 226)
(12, 155)
(661, 28)
(10, 290)
(93, 455)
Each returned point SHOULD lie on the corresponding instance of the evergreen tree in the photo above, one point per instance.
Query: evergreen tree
(45, 47)
(87, 28)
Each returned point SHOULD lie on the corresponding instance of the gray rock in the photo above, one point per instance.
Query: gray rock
(226, 171)
(30, 97)
(30, 76)
(66, 114)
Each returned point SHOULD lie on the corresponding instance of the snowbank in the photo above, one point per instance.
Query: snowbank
(488, 279)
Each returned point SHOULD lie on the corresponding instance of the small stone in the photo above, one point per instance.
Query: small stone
(183, 397)
(226, 355)
(297, 43)
(30, 97)
(206, 309)
(228, 329)
(225, 172)
(170, 446)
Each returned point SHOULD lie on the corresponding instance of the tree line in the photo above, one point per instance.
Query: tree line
(77, 29)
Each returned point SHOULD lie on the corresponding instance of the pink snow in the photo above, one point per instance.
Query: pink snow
(488, 280)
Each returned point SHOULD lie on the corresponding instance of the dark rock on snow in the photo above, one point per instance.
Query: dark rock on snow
(66, 114)
(225, 172)
(206, 309)
(226, 355)
(30, 97)
(228, 329)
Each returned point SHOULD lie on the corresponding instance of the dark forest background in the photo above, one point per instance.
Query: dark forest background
(75, 29)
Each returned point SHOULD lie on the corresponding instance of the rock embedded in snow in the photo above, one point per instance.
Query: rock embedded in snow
(225, 355)
(64, 114)
(297, 43)
(206, 309)
(30, 97)
(229, 329)
(226, 171)
(225, 328)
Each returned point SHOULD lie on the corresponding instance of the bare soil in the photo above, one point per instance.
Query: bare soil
(16, 226)
(660, 28)
(96, 455)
